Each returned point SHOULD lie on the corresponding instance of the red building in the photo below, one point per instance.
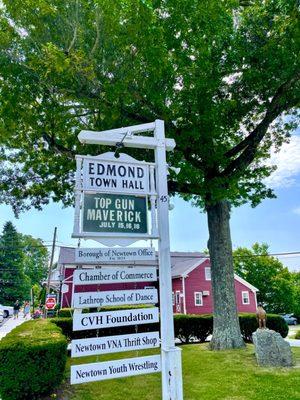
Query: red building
(191, 283)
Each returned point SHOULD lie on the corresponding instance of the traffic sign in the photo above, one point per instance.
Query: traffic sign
(50, 303)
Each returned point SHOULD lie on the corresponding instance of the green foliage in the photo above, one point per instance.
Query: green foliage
(90, 64)
(14, 285)
(190, 326)
(32, 360)
(35, 258)
(186, 327)
(297, 336)
(266, 273)
(248, 324)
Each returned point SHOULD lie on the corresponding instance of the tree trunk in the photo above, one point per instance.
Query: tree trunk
(226, 328)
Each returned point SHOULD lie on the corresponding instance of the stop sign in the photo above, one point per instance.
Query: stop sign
(50, 303)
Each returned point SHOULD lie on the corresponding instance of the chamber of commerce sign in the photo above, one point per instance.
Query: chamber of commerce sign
(114, 275)
(113, 176)
(114, 213)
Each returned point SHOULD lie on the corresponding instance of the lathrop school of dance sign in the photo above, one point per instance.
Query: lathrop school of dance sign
(118, 201)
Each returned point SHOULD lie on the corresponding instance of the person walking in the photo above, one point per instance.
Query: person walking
(26, 309)
(16, 309)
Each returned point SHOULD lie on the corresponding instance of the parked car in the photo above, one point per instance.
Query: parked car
(289, 319)
(7, 310)
(1, 316)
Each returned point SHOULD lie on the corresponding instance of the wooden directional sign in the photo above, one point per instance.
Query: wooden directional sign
(114, 213)
(114, 344)
(114, 298)
(114, 275)
(114, 369)
(109, 319)
(113, 176)
(99, 255)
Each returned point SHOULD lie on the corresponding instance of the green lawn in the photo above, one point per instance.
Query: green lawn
(207, 375)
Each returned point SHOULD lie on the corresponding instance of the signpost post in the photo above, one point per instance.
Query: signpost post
(115, 193)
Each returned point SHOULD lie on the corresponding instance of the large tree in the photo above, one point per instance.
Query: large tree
(14, 284)
(274, 281)
(35, 258)
(220, 73)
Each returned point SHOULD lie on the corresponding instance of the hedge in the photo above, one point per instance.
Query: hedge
(297, 336)
(186, 327)
(32, 360)
(248, 324)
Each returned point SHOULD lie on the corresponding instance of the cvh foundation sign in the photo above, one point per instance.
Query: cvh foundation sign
(114, 213)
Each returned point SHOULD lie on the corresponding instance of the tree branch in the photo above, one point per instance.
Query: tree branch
(56, 146)
(280, 102)
(185, 188)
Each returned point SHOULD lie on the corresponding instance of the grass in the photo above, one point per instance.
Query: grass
(207, 375)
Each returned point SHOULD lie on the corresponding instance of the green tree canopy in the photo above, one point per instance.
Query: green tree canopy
(14, 284)
(35, 258)
(268, 274)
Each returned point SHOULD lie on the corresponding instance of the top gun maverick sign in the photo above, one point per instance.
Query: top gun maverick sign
(118, 201)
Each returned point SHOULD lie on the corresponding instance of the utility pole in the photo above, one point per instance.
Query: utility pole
(51, 260)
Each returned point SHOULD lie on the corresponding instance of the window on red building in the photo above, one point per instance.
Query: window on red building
(198, 298)
(245, 297)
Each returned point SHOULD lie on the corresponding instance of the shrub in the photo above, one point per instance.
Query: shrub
(248, 324)
(192, 326)
(297, 336)
(32, 360)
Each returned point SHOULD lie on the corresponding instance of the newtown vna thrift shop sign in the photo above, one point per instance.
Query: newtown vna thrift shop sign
(119, 201)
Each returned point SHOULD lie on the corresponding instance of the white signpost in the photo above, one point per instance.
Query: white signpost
(108, 319)
(114, 275)
(114, 298)
(114, 344)
(115, 369)
(126, 186)
(100, 255)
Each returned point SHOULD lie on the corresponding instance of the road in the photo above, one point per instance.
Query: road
(9, 324)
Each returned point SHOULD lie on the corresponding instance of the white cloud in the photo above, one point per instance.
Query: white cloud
(296, 210)
(287, 161)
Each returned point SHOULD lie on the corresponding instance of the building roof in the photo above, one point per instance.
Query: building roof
(182, 263)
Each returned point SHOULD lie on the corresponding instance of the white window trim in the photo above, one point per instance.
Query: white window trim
(173, 298)
(195, 299)
(247, 298)
(206, 269)
(177, 297)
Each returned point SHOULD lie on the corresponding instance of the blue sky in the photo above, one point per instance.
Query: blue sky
(276, 222)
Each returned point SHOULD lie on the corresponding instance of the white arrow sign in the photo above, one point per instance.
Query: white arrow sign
(114, 275)
(110, 319)
(114, 344)
(114, 298)
(114, 369)
(99, 255)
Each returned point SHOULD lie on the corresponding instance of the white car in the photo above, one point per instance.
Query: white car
(7, 311)
(1, 316)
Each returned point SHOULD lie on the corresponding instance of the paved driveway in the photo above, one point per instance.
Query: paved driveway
(9, 324)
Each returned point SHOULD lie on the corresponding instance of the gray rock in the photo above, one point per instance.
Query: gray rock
(271, 349)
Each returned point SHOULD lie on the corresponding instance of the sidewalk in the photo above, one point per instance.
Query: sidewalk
(10, 324)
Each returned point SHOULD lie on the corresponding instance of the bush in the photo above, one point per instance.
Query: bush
(192, 326)
(248, 324)
(297, 336)
(32, 360)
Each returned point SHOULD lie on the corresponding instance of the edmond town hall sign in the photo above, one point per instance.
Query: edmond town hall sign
(118, 201)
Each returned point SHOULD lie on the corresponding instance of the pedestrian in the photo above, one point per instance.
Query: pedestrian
(16, 309)
(26, 309)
